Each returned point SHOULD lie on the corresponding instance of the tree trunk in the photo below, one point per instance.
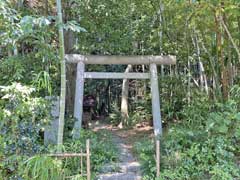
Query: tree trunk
(215, 80)
(19, 4)
(221, 19)
(189, 82)
(71, 68)
(221, 57)
(46, 8)
(145, 82)
(124, 99)
(202, 76)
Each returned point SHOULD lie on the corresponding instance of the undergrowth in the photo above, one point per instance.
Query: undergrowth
(101, 149)
(204, 145)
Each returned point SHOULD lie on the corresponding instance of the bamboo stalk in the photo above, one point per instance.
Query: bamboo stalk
(63, 79)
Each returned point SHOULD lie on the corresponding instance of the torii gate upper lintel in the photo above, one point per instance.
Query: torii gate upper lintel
(153, 61)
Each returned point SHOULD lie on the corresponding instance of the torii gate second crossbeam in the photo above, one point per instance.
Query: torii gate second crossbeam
(152, 61)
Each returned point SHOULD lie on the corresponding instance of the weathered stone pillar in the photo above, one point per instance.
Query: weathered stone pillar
(78, 105)
(50, 132)
(157, 122)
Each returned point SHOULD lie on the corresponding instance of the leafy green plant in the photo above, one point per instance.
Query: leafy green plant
(195, 114)
(209, 151)
(141, 111)
(115, 115)
(101, 148)
(42, 167)
(201, 159)
(145, 152)
(27, 52)
(225, 120)
(235, 94)
(22, 118)
(140, 114)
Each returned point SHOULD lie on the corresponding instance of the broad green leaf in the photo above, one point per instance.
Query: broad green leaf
(74, 26)
(222, 129)
(237, 116)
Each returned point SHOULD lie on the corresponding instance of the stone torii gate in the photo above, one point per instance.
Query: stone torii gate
(152, 61)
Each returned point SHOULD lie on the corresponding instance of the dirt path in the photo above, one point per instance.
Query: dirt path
(128, 168)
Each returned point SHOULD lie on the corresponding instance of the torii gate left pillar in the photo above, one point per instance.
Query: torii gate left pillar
(153, 61)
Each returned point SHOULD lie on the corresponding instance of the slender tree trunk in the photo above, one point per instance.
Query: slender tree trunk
(161, 28)
(63, 79)
(230, 36)
(144, 82)
(200, 64)
(124, 99)
(221, 58)
(71, 71)
(203, 76)
(200, 69)
(46, 8)
(15, 50)
(205, 82)
(9, 52)
(161, 24)
(215, 80)
(189, 82)
(19, 4)
(230, 66)
(172, 70)
(109, 97)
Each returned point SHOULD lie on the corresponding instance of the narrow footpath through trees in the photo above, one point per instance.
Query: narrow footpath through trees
(127, 167)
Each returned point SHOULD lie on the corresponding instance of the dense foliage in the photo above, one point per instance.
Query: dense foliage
(205, 145)
(200, 95)
(45, 168)
(22, 118)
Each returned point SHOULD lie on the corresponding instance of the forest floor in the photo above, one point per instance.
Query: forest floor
(127, 167)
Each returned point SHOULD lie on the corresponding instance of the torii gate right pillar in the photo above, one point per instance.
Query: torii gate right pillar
(157, 121)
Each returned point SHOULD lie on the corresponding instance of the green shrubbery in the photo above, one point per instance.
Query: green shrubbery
(115, 115)
(195, 155)
(42, 167)
(144, 150)
(22, 117)
(204, 145)
(45, 168)
(102, 149)
(140, 112)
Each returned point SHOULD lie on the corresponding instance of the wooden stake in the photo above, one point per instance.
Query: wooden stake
(81, 164)
(158, 157)
(88, 160)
